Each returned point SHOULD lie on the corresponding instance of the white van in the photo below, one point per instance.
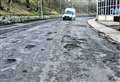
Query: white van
(69, 14)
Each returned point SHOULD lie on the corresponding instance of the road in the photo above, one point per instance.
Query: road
(58, 51)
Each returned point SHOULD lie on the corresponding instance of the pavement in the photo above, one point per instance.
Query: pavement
(58, 51)
(109, 23)
(107, 29)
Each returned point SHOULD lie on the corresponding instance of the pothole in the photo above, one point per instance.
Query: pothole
(11, 60)
(66, 38)
(117, 73)
(24, 71)
(66, 53)
(118, 47)
(14, 41)
(49, 33)
(48, 39)
(3, 37)
(71, 46)
(30, 46)
(42, 49)
(80, 25)
(83, 76)
(8, 74)
(55, 32)
(110, 59)
(82, 40)
(111, 78)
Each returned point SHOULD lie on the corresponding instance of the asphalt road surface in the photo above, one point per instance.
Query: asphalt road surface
(58, 51)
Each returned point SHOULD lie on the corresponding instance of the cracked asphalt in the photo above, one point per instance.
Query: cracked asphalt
(58, 51)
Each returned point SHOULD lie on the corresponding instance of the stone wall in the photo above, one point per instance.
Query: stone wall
(20, 19)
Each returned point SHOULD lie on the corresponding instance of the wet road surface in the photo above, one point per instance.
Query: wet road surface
(58, 51)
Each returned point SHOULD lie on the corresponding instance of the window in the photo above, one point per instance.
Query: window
(108, 7)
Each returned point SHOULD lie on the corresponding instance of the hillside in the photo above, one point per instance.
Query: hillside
(49, 7)
(21, 7)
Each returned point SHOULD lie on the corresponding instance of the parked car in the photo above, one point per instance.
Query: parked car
(70, 14)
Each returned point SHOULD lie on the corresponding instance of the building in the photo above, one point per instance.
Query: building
(108, 10)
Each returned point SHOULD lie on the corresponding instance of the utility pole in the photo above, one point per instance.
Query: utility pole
(88, 6)
(42, 8)
(60, 7)
(119, 21)
(69, 1)
(97, 8)
(105, 10)
(38, 7)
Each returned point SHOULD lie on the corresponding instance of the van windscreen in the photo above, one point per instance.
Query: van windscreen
(69, 12)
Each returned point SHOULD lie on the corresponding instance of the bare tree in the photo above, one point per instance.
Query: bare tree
(28, 3)
(1, 6)
(9, 4)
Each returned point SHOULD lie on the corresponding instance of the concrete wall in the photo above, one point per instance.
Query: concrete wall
(105, 18)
